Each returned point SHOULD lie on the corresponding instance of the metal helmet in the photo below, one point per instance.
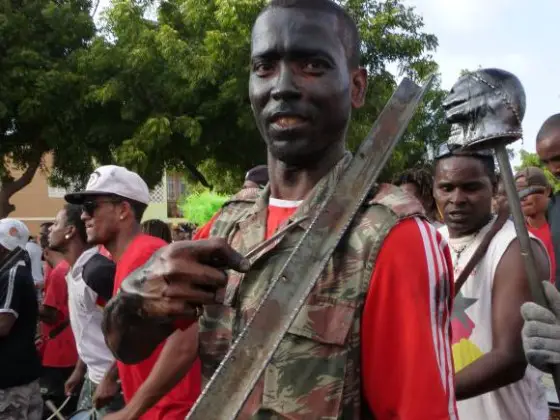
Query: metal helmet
(485, 108)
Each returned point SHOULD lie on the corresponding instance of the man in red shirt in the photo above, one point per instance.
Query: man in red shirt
(157, 388)
(533, 185)
(59, 353)
(304, 82)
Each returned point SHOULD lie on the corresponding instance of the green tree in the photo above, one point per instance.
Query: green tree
(178, 84)
(44, 104)
(171, 92)
(531, 159)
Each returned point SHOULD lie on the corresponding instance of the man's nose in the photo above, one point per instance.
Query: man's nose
(285, 86)
(458, 196)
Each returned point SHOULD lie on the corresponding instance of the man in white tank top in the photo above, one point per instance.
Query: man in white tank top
(492, 382)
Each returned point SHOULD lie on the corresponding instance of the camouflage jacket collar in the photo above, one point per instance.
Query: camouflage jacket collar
(316, 197)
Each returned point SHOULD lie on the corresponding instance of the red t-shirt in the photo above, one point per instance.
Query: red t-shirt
(61, 350)
(177, 403)
(407, 365)
(543, 233)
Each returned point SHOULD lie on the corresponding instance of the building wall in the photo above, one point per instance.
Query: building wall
(33, 203)
(38, 203)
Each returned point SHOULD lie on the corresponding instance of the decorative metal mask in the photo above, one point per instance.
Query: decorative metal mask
(485, 108)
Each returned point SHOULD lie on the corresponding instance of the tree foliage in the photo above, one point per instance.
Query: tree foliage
(41, 90)
(532, 159)
(199, 207)
(180, 84)
(164, 86)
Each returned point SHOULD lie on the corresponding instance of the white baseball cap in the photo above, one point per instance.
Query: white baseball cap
(13, 233)
(116, 180)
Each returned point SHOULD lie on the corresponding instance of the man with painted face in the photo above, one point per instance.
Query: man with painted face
(158, 388)
(367, 343)
(491, 378)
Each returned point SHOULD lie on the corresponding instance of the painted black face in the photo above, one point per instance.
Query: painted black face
(300, 84)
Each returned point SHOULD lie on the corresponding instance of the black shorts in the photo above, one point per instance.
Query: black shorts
(52, 388)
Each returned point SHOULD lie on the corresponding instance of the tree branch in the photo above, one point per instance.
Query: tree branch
(198, 175)
(11, 188)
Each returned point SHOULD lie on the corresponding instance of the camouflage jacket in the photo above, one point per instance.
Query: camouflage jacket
(315, 373)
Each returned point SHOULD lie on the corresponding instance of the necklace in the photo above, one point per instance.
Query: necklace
(465, 243)
(458, 251)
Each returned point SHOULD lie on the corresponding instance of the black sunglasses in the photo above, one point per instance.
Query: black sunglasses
(90, 206)
(446, 150)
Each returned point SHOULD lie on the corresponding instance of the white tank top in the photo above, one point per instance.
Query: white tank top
(472, 333)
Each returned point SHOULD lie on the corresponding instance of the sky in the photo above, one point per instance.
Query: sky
(520, 36)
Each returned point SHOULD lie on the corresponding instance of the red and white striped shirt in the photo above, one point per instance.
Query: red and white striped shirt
(407, 365)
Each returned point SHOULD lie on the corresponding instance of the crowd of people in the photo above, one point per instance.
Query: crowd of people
(423, 312)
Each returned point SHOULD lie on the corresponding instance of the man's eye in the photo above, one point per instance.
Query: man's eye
(263, 68)
(315, 66)
(472, 187)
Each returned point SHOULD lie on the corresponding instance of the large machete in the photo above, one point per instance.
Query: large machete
(232, 383)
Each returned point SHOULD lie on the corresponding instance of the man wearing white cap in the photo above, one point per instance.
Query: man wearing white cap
(113, 204)
(20, 367)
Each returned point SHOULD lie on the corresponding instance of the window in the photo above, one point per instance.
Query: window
(176, 190)
(56, 192)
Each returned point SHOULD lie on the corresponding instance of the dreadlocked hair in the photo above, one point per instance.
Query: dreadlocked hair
(423, 179)
(157, 228)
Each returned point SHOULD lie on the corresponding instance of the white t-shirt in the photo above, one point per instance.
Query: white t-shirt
(472, 332)
(86, 316)
(35, 255)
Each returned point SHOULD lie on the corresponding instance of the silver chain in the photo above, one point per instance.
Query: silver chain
(459, 252)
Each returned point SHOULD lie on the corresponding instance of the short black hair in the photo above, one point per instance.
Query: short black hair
(551, 124)
(157, 228)
(347, 28)
(423, 179)
(44, 234)
(74, 218)
(487, 162)
(138, 208)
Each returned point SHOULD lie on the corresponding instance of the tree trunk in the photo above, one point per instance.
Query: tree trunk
(5, 206)
(9, 188)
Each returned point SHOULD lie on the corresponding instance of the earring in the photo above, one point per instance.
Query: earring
(66, 236)
(121, 218)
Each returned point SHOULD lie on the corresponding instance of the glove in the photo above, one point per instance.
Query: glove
(541, 330)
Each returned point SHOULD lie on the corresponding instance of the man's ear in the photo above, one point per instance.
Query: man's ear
(70, 232)
(358, 79)
(125, 210)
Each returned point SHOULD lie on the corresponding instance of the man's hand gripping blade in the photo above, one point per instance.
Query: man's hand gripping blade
(232, 383)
